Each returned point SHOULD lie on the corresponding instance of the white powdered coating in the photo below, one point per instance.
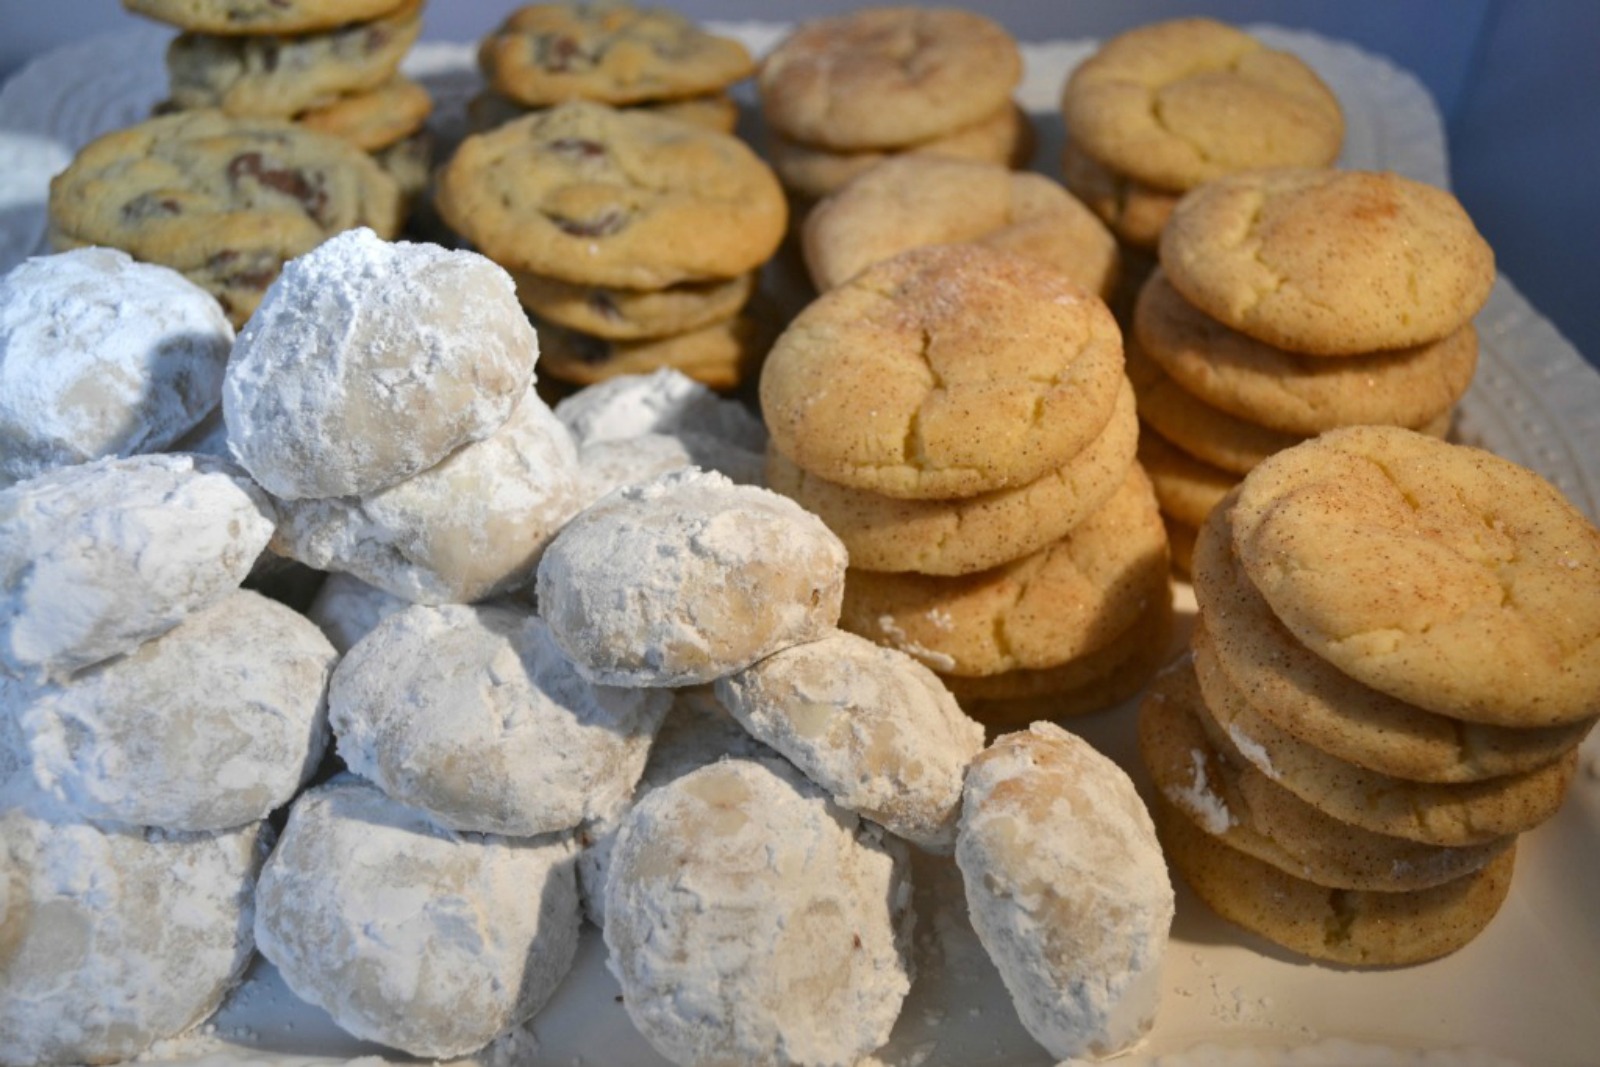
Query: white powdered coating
(749, 920)
(370, 360)
(99, 558)
(872, 726)
(114, 939)
(211, 725)
(687, 578)
(102, 356)
(1210, 810)
(1067, 889)
(1254, 751)
(665, 401)
(612, 463)
(414, 936)
(346, 609)
(470, 528)
(697, 730)
(472, 714)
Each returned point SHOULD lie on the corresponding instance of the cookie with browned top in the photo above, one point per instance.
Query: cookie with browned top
(238, 17)
(634, 314)
(612, 52)
(279, 76)
(225, 201)
(887, 77)
(590, 194)
(1173, 104)
(944, 372)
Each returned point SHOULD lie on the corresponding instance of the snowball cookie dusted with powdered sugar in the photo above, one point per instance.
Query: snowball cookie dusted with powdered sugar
(1067, 889)
(686, 578)
(871, 725)
(417, 937)
(102, 356)
(98, 558)
(749, 920)
(346, 609)
(664, 401)
(212, 725)
(113, 939)
(472, 714)
(371, 360)
(470, 528)
(611, 464)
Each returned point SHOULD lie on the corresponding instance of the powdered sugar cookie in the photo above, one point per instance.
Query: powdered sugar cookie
(102, 356)
(1067, 889)
(607, 465)
(944, 372)
(871, 725)
(410, 935)
(687, 578)
(470, 528)
(792, 945)
(99, 558)
(115, 939)
(370, 361)
(664, 401)
(346, 609)
(212, 725)
(473, 715)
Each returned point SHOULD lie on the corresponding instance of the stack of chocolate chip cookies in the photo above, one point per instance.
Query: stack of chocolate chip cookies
(629, 57)
(959, 416)
(334, 67)
(841, 94)
(1293, 301)
(1396, 657)
(634, 239)
(1162, 108)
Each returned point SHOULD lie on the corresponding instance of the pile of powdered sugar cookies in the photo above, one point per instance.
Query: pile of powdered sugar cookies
(568, 663)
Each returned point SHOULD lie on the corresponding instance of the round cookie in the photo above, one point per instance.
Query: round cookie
(664, 402)
(1490, 579)
(1363, 929)
(370, 361)
(1306, 695)
(417, 937)
(346, 609)
(715, 111)
(374, 119)
(687, 578)
(804, 955)
(268, 76)
(224, 201)
(234, 17)
(1064, 601)
(1135, 212)
(1186, 488)
(1230, 799)
(102, 356)
(951, 537)
(592, 195)
(944, 372)
(1005, 138)
(1067, 889)
(545, 54)
(1294, 393)
(909, 201)
(1452, 814)
(634, 314)
(871, 725)
(886, 77)
(1328, 262)
(722, 355)
(1176, 103)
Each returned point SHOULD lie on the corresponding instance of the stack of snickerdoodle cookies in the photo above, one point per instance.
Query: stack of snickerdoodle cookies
(959, 416)
(634, 239)
(1396, 657)
(1294, 301)
(333, 67)
(841, 94)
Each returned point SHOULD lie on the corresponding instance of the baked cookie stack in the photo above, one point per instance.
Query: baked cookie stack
(1290, 302)
(1158, 110)
(959, 416)
(629, 57)
(634, 239)
(841, 94)
(1396, 657)
(335, 67)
